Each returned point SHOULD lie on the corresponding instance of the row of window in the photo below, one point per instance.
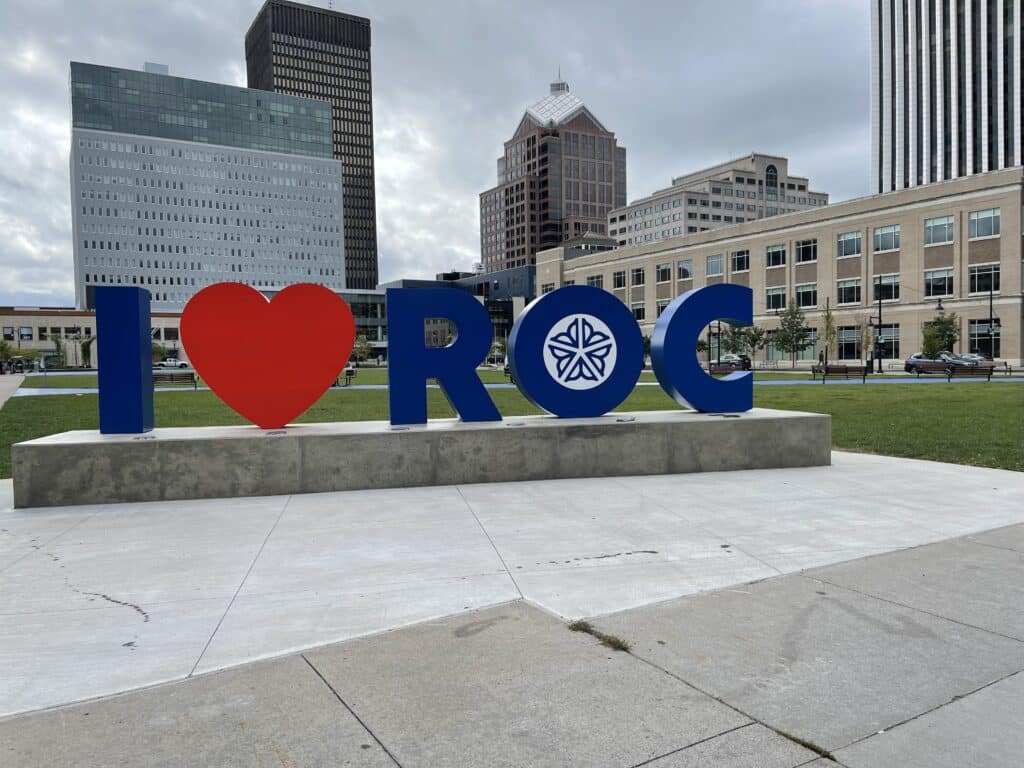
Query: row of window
(46, 333)
(982, 278)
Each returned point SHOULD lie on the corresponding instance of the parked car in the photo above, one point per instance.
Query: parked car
(947, 359)
(973, 358)
(172, 362)
(736, 361)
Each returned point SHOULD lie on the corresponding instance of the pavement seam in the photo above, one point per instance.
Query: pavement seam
(821, 580)
(501, 559)
(993, 546)
(694, 744)
(240, 585)
(351, 711)
(808, 745)
(937, 707)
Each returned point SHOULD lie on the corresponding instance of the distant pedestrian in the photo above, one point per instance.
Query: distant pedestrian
(821, 357)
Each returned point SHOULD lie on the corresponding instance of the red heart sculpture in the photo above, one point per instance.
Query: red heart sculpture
(268, 360)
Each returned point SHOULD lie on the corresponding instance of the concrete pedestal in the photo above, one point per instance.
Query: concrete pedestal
(85, 467)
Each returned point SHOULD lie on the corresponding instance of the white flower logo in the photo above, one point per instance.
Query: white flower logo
(580, 352)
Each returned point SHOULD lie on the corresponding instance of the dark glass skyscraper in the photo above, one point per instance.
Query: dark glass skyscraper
(323, 54)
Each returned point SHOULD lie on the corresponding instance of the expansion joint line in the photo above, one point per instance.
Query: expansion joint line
(240, 585)
(809, 745)
(822, 580)
(351, 711)
(493, 545)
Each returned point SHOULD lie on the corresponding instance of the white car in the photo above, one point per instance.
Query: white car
(172, 362)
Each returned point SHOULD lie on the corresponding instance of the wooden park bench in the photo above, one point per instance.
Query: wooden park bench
(175, 377)
(970, 371)
(932, 366)
(840, 372)
(348, 374)
(768, 364)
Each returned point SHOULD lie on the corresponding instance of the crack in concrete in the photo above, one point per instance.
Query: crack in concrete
(109, 599)
(601, 557)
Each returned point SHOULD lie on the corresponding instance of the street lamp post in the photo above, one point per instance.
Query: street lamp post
(991, 332)
(878, 342)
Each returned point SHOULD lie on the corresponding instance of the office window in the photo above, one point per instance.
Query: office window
(938, 282)
(887, 238)
(639, 311)
(938, 230)
(889, 341)
(806, 250)
(714, 265)
(984, 223)
(8, 333)
(848, 291)
(595, 281)
(980, 341)
(619, 279)
(887, 287)
(664, 273)
(848, 245)
(661, 306)
(807, 295)
(848, 339)
(637, 276)
(547, 287)
(740, 261)
(775, 298)
(775, 256)
(984, 278)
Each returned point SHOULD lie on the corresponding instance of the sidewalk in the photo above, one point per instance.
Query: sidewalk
(910, 659)
(9, 383)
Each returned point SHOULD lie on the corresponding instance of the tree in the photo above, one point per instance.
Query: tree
(867, 339)
(940, 335)
(6, 351)
(361, 349)
(702, 346)
(828, 330)
(497, 350)
(159, 351)
(757, 338)
(58, 349)
(735, 339)
(86, 346)
(792, 335)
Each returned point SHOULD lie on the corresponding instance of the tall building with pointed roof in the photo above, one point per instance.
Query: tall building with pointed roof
(561, 174)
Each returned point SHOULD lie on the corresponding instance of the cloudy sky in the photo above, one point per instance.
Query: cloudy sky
(683, 84)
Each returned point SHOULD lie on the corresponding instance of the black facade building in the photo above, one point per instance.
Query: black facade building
(323, 54)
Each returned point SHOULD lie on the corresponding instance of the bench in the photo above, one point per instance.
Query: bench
(175, 377)
(840, 372)
(768, 364)
(970, 371)
(932, 366)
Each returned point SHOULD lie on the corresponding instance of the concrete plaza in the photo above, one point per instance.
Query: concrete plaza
(741, 650)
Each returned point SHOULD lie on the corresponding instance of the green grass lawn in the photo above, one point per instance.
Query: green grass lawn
(971, 423)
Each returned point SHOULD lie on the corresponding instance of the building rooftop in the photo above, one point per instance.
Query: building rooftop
(559, 106)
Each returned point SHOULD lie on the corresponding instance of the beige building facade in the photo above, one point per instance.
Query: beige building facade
(33, 328)
(951, 247)
(734, 192)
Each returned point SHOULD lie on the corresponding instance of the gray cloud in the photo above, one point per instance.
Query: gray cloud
(683, 85)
